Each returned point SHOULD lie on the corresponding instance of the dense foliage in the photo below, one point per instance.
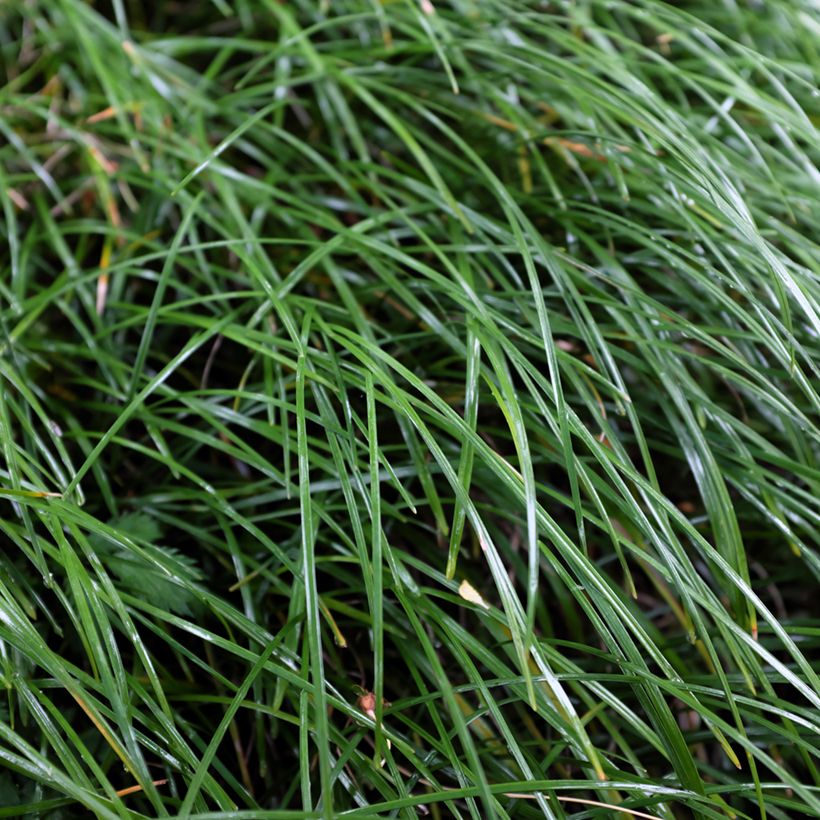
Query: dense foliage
(409, 407)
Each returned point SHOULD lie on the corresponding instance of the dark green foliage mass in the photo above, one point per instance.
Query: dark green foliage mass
(409, 408)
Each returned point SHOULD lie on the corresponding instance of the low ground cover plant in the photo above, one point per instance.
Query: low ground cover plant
(409, 409)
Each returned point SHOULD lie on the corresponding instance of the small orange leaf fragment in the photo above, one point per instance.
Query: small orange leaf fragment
(138, 788)
(105, 114)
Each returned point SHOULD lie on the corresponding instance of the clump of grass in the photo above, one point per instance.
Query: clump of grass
(409, 407)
